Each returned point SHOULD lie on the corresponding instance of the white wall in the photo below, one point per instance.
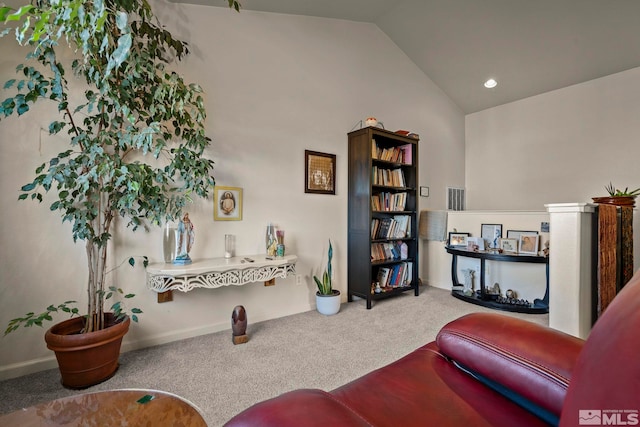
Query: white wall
(561, 146)
(275, 86)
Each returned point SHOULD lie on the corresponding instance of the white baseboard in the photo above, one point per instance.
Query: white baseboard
(36, 365)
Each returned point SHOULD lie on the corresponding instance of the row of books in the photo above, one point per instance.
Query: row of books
(400, 154)
(394, 276)
(389, 202)
(390, 177)
(397, 227)
(389, 250)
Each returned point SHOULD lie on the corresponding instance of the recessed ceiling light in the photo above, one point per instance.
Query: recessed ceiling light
(490, 84)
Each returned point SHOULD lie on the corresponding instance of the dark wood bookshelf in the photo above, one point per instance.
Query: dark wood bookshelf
(362, 271)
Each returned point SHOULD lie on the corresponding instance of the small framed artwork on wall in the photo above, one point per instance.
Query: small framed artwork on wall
(319, 172)
(227, 203)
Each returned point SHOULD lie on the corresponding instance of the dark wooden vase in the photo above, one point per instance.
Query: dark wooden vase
(616, 200)
(86, 359)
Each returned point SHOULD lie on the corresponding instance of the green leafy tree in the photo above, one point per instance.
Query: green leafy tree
(135, 141)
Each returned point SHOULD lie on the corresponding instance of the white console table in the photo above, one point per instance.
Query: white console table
(217, 272)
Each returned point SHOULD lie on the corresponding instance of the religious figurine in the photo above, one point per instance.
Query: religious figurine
(239, 325)
(185, 236)
(469, 274)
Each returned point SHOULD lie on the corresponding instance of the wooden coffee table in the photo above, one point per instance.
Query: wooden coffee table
(132, 407)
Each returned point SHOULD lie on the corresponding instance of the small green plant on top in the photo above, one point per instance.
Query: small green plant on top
(324, 286)
(615, 192)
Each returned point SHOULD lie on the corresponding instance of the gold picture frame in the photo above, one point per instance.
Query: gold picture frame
(227, 203)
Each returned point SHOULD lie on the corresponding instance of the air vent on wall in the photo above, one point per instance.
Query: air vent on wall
(455, 199)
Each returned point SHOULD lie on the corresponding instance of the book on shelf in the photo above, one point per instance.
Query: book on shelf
(398, 154)
(396, 227)
(389, 202)
(388, 177)
(386, 251)
(398, 275)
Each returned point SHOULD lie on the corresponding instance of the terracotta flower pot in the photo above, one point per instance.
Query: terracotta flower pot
(86, 359)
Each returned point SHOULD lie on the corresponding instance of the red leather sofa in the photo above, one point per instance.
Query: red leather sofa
(487, 370)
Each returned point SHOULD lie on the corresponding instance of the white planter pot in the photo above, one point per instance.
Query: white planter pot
(328, 304)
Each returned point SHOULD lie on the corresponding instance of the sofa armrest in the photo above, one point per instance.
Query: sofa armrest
(304, 407)
(531, 360)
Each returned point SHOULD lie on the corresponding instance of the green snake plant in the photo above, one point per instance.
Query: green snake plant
(324, 286)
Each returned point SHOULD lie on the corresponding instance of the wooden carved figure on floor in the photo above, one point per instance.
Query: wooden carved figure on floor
(239, 325)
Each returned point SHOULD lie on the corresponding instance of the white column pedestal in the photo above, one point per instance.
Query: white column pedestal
(570, 267)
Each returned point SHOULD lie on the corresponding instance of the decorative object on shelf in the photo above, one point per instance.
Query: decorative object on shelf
(239, 325)
(271, 240)
(509, 245)
(528, 244)
(408, 134)
(227, 203)
(371, 121)
(229, 245)
(458, 240)
(280, 248)
(469, 275)
(319, 172)
(108, 134)
(493, 233)
(169, 247)
(475, 244)
(327, 298)
(515, 234)
(185, 237)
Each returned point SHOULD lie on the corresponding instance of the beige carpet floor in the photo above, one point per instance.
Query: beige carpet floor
(306, 350)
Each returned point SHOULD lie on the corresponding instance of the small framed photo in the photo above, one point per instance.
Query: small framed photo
(319, 172)
(515, 234)
(492, 233)
(509, 245)
(458, 240)
(528, 244)
(227, 203)
(475, 244)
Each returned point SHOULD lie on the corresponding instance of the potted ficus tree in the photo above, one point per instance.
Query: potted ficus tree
(133, 135)
(327, 298)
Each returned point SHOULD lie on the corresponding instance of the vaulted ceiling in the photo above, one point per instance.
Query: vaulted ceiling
(528, 46)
